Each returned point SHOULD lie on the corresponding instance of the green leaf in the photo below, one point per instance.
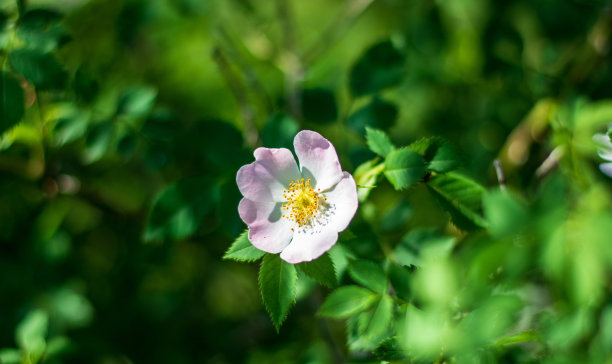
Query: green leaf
(368, 274)
(396, 217)
(438, 153)
(378, 114)
(242, 250)
(461, 198)
(10, 356)
(321, 270)
(12, 104)
(279, 131)
(41, 29)
(179, 210)
(31, 332)
(98, 139)
(400, 277)
(378, 142)
(390, 350)
(347, 301)
(404, 168)
(380, 322)
(136, 101)
(278, 283)
(41, 69)
(504, 213)
(382, 66)
(366, 177)
(319, 106)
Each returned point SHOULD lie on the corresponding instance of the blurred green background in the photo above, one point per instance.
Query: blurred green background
(117, 177)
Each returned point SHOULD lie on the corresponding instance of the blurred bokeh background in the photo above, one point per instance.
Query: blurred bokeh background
(117, 177)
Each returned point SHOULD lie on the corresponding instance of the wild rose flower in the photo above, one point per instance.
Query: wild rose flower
(604, 149)
(297, 212)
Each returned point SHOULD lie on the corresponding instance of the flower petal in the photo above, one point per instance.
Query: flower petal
(343, 201)
(309, 245)
(606, 168)
(604, 146)
(318, 159)
(267, 177)
(268, 231)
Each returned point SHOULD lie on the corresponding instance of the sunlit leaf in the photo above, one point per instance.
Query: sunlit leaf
(277, 282)
(242, 250)
(347, 301)
(404, 168)
(378, 142)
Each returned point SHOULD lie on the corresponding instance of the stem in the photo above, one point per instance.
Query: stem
(251, 135)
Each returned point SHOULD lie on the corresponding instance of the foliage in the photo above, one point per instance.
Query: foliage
(484, 222)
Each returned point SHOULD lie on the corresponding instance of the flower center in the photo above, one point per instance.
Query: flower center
(303, 202)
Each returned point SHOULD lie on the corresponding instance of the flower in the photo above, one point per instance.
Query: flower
(604, 149)
(297, 212)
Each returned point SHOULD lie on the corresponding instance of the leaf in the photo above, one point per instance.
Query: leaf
(368, 274)
(278, 283)
(41, 29)
(400, 281)
(461, 198)
(97, 141)
(321, 270)
(12, 104)
(41, 69)
(31, 332)
(179, 210)
(137, 101)
(279, 131)
(366, 177)
(380, 322)
(347, 301)
(504, 213)
(438, 153)
(396, 217)
(382, 66)
(319, 106)
(390, 350)
(404, 168)
(242, 250)
(10, 356)
(378, 114)
(378, 142)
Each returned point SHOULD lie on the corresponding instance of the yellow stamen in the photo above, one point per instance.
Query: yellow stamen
(303, 202)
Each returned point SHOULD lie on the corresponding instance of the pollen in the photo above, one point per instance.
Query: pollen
(303, 202)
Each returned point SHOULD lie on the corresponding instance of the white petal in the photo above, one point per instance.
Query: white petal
(308, 245)
(606, 168)
(604, 147)
(343, 201)
(268, 231)
(267, 177)
(318, 159)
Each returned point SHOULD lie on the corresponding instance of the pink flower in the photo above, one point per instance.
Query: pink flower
(296, 212)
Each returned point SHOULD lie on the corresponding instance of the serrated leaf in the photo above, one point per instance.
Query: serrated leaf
(321, 270)
(389, 350)
(368, 274)
(41, 69)
(11, 102)
(242, 250)
(438, 153)
(277, 283)
(380, 321)
(378, 142)
(380, 67)
(347, 301)
(461, 198)
(42, 29)
(179, 210)
(404, 168)
(400, 280)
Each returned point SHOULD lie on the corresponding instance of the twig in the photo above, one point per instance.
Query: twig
(348, 15)
(500, 175)
(250, 131)
(550, 162)
(291, 62)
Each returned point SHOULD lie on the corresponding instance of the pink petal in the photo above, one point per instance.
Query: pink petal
(318, 159)
(267, 177)
(343, 202)
(268, 231)
(308, 245)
